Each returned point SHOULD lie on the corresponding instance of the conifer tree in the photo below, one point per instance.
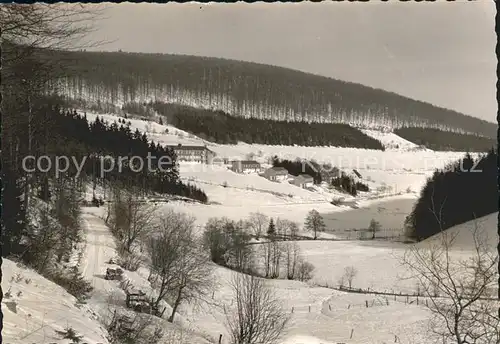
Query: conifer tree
(13, 213)
(272, 228)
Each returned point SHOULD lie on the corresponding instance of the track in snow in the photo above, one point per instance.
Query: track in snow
(100, 248)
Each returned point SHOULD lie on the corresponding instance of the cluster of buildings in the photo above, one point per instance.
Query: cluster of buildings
(275, 174)
(201, 154)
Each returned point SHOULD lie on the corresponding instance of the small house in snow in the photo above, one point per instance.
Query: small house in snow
(276, 174)
(303, 181)
(245, 166)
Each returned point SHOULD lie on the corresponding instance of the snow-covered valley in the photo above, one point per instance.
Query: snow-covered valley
(318, 313)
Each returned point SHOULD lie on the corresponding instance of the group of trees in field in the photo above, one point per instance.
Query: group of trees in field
(250, 90)
(440, 140)
(348, 184)
(460, 192)
(229, 244)
(180, 269)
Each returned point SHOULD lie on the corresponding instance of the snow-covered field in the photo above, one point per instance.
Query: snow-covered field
(379, 263)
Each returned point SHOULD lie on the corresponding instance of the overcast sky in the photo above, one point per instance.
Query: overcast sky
(442, 53)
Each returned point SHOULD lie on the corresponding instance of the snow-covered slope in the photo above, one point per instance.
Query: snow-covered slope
(109, 296)
(34, 308)
(484, 228)
(211, 177)
(322, 315)
(390, 140)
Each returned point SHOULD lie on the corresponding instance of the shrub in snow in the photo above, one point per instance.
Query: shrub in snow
(8, 294)
(137, 330)
(71, 334)
(304, 271)
(72, 281)
(129, 261)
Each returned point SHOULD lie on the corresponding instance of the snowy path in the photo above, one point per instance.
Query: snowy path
(100, 248)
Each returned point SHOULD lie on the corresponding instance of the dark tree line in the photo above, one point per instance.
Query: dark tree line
(220, 127)
(348, 184)
(249, 90)
(13, 208)
(464, 190)
(440, 140)
(66, 133)
(117, 140)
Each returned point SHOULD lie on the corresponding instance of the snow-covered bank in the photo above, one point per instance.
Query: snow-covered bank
(34, 309)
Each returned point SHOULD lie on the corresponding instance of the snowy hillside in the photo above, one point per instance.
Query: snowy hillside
(463, 235)
(390, 140)
(35, 309)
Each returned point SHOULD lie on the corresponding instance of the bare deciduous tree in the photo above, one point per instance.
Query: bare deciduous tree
(227, 243)
(374, 227)
(28, 28)
(140, 219)
(292, 255)
(258, 317)
(194, 280)
(460, 290)
(304, 270)
(181, 269)
(258, 223)
(266, 253)
(132, 219)
(349, 273)
(314, 223)
(165, 250)
(276, 249)
(286, 228)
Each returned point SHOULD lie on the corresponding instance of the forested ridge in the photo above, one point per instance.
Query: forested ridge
(463, 191)
(249, 90)
(220, 127)
(439, 140)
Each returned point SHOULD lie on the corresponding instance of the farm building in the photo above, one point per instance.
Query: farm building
(303, 181)
(276, 173)
(245, 166)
